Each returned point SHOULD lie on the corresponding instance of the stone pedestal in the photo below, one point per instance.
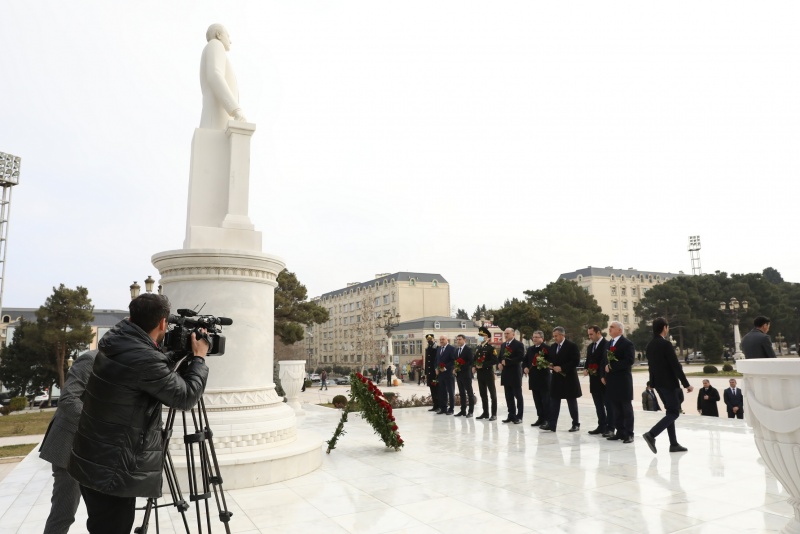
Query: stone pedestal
(772, 407)
(292, 375)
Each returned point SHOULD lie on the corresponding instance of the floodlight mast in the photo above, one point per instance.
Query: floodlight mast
(694, 253)
(9, 177)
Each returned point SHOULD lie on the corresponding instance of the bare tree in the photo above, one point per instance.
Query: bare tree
(366, 343)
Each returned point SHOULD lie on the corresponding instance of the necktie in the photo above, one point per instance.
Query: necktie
(459, 351)
(558, 348)
(594, 346)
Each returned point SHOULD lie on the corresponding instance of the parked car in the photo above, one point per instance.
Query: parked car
(696, 356)
(343, 381)
(40, 398)
(5, 398)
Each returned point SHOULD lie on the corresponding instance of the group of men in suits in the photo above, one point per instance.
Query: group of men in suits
(450, 365)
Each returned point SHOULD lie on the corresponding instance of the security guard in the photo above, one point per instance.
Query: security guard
(485, 372)
(430, 371)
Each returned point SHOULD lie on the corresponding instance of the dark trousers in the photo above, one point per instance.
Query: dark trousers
(604, 421)
(555, 409)
(737, 415)
(435, 395)
(447, 391)
(541, 399)
(623, 417)
(672, 407)
(64, 502)
(465, 392)
(108, 514)
(486, 381)
(514, 393)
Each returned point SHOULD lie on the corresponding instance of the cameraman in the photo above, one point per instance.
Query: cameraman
(118, 453)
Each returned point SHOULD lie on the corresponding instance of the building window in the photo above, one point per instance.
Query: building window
(614, 305)
(412, 282)
(435, 283)
(419, 346)
(625, 305)
(613, 291)
(436, 325)
(358, 305)
(613, 277)
(633, 291)
(616, 317)
(463, 325)
(580, 278)
(377, 301)
(358, 318)
(625, 318)
(624, 291)
(386, 299)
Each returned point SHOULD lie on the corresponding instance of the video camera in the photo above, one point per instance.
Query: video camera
(179, 338)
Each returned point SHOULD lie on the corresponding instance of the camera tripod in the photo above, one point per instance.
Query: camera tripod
(204, 465)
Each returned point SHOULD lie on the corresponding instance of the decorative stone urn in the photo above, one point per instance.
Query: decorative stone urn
(772, 408)
(292, 375)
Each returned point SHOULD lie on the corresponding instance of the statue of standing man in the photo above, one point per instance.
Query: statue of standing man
(218, 82)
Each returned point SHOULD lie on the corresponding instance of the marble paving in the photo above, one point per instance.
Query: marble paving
(462, 475)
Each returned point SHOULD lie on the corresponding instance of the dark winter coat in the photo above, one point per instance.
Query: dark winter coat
(568, 358)
(708, 407)
(118, 448)
(619, 381)
(538, 379)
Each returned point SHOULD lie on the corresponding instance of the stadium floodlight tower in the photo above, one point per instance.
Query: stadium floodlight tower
(9, 177)
(694, 253)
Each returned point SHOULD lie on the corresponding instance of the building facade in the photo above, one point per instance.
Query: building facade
(103, 321)
(354, 335)
(617, 291)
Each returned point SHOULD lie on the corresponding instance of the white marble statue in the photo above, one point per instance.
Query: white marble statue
(218, 81)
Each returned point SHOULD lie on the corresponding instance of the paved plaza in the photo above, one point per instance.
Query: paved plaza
(462, 475)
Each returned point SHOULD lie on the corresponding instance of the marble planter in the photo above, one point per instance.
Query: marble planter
(292, 374)
(772, 408)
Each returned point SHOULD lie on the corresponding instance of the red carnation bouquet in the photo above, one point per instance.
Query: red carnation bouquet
(460, 362)
(612, 357)
(592, 369)
(480, 360)
(540, 361)
(442, 368)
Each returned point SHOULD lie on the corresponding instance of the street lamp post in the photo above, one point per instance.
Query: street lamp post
(148, 286)
(732, 308)
(389, 321)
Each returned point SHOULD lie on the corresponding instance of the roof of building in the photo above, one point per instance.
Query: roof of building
(427, 323)
(102, 318)
(608, 271)
(401, 276)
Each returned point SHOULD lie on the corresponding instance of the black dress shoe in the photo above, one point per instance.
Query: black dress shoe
(614, 437)
(537, 423)
(677, 448)
(434, 410)
(651, 441)
(607, 434)
(517, 421)
(628, 439)
(509, 420)
(483, 416)
(597, 430)
(441, 412)
(546, 426)
(469, 414)
(575, 428)
(449, 412)
(460, 414)
(493, 418)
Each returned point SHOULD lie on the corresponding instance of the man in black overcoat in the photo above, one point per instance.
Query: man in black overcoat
(445, 358)
(538, 379)
(619, 381)
(665, 372)
(512, 352)
(565, 356)
(596, 369)
(464, 377)
(707, 399)
(430, 371)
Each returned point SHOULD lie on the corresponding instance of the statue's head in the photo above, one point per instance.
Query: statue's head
(218, 32)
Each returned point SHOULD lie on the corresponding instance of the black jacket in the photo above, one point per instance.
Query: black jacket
(619, 381)
(566, 386)
(486, 371)
(430, 364)
(538, 379)
(708, 407)
(466, 369)
(118, 448)
(662, 362)
(511, 356)
(598, 358)
(757, 344)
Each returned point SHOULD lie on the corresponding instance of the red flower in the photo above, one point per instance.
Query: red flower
(461, 361)
(592, 366)
(612, 349)
(399, 440)
(391, 418)
(535, 359)
(394, 427)
(364, 380)
(359, 376)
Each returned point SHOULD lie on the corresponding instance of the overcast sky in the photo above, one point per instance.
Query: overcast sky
(499, 144)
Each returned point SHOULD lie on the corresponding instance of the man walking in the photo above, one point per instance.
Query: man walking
(538, 379)
(511, 355)
(665, 372)
(734, 401)
(323, 380)
(445, 359)
(757, 344)
(596, 369)
(565, 356)
(619, 381)
(464, 376)
(485, 360)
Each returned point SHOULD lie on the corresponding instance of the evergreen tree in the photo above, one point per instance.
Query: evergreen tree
(293, 311)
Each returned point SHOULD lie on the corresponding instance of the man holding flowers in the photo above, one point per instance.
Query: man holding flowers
(596, 369)
(565, 356)
(463, 372)
(537, 367)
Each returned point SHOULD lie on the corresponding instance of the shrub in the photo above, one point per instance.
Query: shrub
(339, 401)
(307, 383)
(710, 369)
(390, 395)
(18, 403)
(727, 368)
(5, 410)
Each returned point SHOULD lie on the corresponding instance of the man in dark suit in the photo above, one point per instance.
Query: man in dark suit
(445, 358)
(57, 446)
(538, 379)
(464, 377)
(596, 369)
(757, 344)
(665, 372)
(649, 399)
(430, 371)
(511, 355)
(565, 356)
(619, 381)
(485, 360)
(707, 399)
(734, 401)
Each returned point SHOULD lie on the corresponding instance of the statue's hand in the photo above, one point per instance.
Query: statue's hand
(238, 115)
